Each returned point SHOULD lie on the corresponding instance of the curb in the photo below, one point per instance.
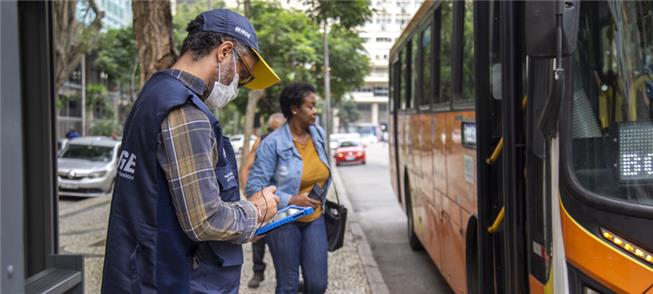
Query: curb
(372, 273)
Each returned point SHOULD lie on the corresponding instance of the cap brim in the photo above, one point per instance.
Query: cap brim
(264, 76)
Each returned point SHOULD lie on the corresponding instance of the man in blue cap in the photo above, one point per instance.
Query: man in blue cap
(177, 221)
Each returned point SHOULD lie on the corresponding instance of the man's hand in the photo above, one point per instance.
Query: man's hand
(302, 199)
(266, 203)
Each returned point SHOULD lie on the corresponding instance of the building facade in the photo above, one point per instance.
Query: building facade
(379, 34)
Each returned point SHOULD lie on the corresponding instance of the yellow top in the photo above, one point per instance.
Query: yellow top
(313, 171)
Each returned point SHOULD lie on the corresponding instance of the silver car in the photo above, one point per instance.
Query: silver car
(87, 167)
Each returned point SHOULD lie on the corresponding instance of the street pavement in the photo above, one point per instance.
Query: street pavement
(384, 224)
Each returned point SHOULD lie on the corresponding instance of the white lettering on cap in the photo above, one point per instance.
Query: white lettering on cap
(243, 32)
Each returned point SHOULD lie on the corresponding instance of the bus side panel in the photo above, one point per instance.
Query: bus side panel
(435, 243)
(414, 152)
(392, 128)
(426, 154)
(461, 163)
(462, 195)
(439, 155)
(402, 136)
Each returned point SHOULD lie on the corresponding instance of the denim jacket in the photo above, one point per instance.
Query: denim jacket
(278, 163)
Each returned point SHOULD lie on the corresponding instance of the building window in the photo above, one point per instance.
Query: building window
(384, 39)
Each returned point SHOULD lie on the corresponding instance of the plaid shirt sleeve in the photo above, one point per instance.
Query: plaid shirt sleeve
(188, 155)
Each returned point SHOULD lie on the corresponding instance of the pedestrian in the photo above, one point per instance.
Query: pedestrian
(72, 134)
(258, 248)
(176, 220)
(294, 158)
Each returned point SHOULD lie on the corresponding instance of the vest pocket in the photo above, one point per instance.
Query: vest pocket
(134, 259)
(226, 177)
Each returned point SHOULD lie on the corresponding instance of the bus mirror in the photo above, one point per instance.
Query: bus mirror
(540, 21)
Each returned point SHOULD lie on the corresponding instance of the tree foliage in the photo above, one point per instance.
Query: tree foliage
(117, 54)
(345, 13)
(72, 38)
(291, 43)
(347, 112)
(187, 11)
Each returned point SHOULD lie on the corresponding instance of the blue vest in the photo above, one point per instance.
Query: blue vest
(146, 249)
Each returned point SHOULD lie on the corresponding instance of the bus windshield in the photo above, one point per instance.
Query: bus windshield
(612, 111)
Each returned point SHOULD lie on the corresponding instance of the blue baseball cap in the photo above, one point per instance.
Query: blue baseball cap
(227, 22)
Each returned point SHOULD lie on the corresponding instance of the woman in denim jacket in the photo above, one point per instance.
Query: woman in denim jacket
(294, 158)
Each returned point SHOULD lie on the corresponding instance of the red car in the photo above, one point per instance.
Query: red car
(350, 151)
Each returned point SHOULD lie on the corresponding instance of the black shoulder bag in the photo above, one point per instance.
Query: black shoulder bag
(335, 218)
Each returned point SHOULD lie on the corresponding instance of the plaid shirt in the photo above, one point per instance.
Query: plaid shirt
(188, 156)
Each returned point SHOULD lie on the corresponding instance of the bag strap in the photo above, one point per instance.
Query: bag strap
(335, 189)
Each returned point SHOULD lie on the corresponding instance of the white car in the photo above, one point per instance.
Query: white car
(87, 167)
(336, 138)
(237, 142)
(369, 133)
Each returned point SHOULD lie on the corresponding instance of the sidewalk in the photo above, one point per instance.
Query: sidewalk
(352, 269)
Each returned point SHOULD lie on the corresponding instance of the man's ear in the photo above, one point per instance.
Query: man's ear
(224, 50)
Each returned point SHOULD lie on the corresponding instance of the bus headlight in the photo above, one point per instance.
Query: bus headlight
(631, 248)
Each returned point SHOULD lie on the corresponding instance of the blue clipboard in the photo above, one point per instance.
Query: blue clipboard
(284, 216)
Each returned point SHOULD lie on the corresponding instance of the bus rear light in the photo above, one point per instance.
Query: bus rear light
(630, 247)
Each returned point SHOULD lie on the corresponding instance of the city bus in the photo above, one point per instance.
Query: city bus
(521, 143)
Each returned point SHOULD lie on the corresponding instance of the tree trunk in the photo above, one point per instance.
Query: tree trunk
(252, 100)
(327, 88)
(154, 38)
(71, 38)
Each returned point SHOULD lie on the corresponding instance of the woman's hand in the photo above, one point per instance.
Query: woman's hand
(302, 199)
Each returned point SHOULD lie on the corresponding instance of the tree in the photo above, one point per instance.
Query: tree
(117, 55)
(154, 38)
(72, 38)
(187, 11)
(347, 112)
(286, 39)
(345, 14)
(97, 102)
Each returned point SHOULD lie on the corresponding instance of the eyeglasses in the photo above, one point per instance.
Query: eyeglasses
(250, 77)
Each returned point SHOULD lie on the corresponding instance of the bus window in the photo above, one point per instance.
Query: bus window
(468, 53)
(446, 32)
(427, 67)
(495, 61)
(612, 101)
(403, 77)
(415, 69)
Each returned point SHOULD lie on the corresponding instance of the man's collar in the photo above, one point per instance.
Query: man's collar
(194, 83)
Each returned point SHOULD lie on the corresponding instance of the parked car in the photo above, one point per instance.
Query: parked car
(350, 151)
(237, 142)
(87, 167)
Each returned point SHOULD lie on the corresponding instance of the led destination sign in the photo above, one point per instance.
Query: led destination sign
(636, 151)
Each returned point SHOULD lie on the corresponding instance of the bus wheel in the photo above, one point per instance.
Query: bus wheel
(414, 242)
(472, 257)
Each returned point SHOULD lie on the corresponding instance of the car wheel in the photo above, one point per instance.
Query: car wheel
(363, 162)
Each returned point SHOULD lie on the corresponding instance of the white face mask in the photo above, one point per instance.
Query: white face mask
(223, 94)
